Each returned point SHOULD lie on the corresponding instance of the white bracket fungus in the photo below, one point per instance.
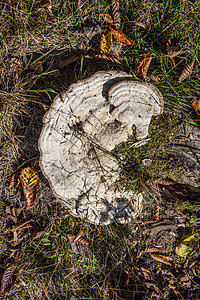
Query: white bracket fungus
(81, 128)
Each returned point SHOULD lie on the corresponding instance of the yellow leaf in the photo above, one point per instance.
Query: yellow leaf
(106, 42)
(30, 183)
(121, 37)
(186, 246)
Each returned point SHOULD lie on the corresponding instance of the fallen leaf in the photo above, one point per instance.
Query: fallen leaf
(146, 273)
(15, 181)
(79, 246)
(196, 106)
(79, 235)
(186, 72)
(8, 280)
(121, 37)
(106, 42)
(153, 286)
(110, 56)
(116, 14)
(130, 275)
(155, 78)
(107, 18)
(192, 263)
(144, 66)
(163, 259)
(19, 231)
(37, 67)
(140, 24)
(37, 234)
(174, 48)
(187, 245)
(65, 63)
(30, 183)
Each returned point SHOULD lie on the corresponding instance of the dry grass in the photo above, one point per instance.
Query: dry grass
(46, 31)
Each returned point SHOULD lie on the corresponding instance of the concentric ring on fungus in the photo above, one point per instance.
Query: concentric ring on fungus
(81, 128)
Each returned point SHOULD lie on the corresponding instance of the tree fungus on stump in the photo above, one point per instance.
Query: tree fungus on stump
(81, 128)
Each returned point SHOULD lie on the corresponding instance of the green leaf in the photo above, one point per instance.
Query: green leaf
(186, 246)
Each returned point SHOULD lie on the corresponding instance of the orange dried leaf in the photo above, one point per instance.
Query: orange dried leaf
(163, 259)
(8, 279)
(107, 18)
(15, 181)
(144, 66)
(186, 72)
(30, 183)
(121, 37)
(116, 14)
(106, 43)
(65, 63)
(196, 106)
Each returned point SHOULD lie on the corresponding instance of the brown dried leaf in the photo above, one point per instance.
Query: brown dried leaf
(37, 234)
(121, 37)
(174, 48)
(155, 78)
(116, 14)
(37, 67)
(79, 246)
(8, 279)
(79, 235)
(15, 181)
(153, 286)
(141, 25)
(30, 183)
(110, 56)
(146, 273)
(106, 42)
(65, 63)
(107, 18)
(151, 250)
(186, 72)
(196, 106)
(144, 66)
(163, 259)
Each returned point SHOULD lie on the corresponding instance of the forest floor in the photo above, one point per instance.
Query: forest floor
(45, 47)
